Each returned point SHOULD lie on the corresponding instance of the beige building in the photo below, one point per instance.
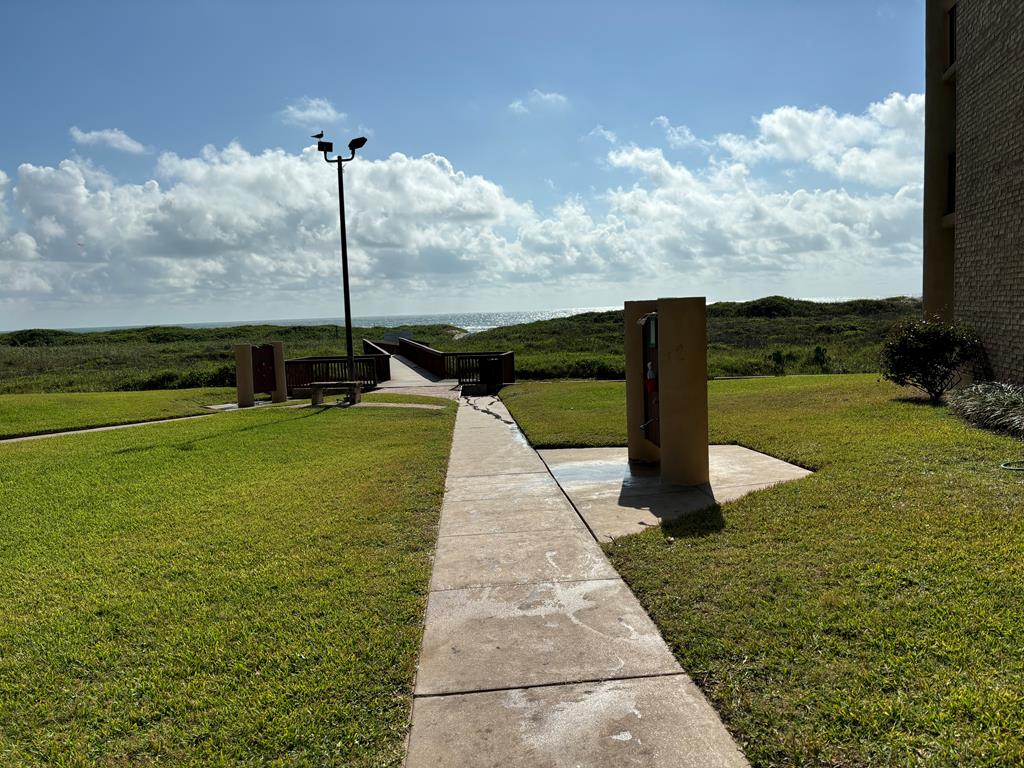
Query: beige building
(974, 173)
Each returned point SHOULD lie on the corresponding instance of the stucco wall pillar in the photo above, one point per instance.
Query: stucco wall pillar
(683, 390)
(243, 375)
(280, 394)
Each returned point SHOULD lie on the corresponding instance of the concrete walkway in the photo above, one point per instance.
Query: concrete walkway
(535, 653)
(108, 428)
(409, 379)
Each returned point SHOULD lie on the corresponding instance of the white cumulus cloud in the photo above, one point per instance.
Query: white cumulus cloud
(537, 99)
(600, 132)
(114, 138)
(233, 227)
(311, 112)
(678, 136)
(5, 182)
(883, 146)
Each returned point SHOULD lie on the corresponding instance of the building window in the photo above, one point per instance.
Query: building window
(952, 36)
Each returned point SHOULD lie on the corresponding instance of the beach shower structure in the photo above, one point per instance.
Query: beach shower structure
(260, 369)
(667, 387)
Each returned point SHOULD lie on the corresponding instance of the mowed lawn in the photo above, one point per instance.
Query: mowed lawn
(58, 412)
(871, 614)
(242, 589)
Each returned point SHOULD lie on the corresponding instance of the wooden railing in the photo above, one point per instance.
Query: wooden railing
(495, 368)
(381, 358)
(373, 348)
(425, 357)
(302, 371)
(451, 365)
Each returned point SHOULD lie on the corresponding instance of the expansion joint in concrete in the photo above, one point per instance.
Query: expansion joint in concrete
(581, 681)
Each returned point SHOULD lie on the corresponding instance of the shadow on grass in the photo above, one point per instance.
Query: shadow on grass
(695, 525)
(918, 400)
(190, 445)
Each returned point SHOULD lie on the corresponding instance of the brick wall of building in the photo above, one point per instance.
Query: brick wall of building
(989, 256)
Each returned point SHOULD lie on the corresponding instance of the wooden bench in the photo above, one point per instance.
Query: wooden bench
(353, 390)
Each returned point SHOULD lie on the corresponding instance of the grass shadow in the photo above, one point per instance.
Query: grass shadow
(695, 525)
(190, 445)
(919, 400)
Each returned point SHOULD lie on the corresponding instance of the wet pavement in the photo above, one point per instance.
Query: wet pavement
(617, 498)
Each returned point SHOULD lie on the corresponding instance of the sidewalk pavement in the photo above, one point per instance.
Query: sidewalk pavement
(535, 652)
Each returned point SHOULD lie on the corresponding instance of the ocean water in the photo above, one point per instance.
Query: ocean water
(473, 322)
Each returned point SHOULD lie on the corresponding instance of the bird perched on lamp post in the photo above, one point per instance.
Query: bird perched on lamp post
(317, 135)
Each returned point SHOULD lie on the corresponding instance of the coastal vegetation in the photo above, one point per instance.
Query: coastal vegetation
(868, 614)
(766, 337)
(770, 336)
(246, 588)
(161, 357)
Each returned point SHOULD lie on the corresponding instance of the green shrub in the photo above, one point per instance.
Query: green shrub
(991, 405)
(778, 360)
(36, 337)
(568, 365)
(770, 306)
(928, 355)
(820, 359)
(222, 376)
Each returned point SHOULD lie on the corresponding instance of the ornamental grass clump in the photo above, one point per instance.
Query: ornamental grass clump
(992, 405)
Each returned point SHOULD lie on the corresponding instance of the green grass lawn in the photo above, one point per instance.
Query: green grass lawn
(569, 414)
(243, 589)
(38, 413)
(872, 614)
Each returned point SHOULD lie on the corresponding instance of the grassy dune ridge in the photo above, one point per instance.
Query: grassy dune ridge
(763, 337)
(161, 357)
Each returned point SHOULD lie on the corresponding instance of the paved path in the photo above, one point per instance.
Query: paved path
(535, 653)
(407, 375)
(108, 428)
(409, 379)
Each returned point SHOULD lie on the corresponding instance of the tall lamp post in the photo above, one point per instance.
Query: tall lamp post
(325, 147)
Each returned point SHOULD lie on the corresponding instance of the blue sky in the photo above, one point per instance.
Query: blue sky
(521, 156)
